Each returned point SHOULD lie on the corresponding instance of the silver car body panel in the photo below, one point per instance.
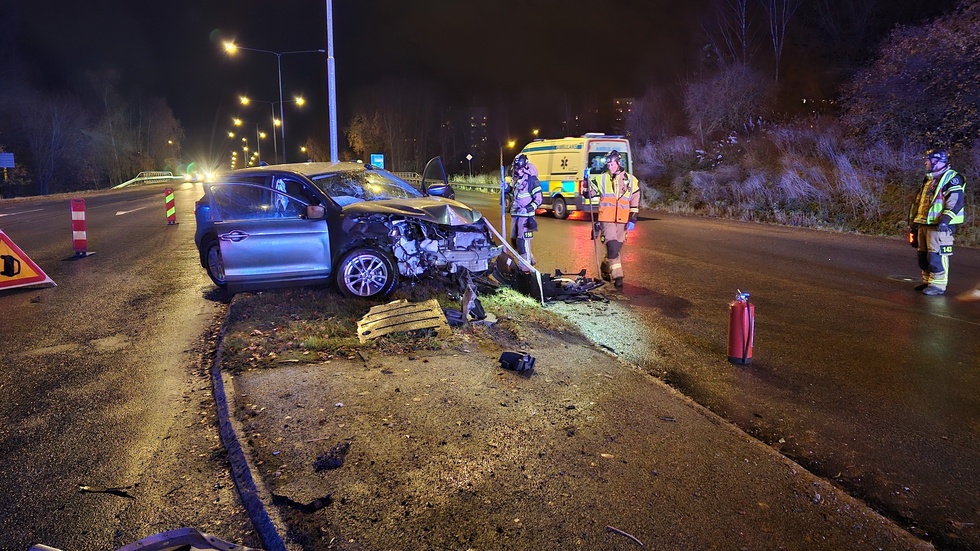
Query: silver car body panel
(274, 250)
(438, 211)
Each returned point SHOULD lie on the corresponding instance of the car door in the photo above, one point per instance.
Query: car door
(435, 181)
(265, 236)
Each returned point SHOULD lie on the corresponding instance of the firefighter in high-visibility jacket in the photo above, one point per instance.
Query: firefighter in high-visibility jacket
(526, 192)
(934, 215)
(619, 205)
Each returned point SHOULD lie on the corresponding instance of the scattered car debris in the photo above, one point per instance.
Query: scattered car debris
(332, 458)
(182, 538)
(401, 315)
(624, 534)
(517, 361)
(311, 506)
(120, 491)
(571, 287)
(566, 287)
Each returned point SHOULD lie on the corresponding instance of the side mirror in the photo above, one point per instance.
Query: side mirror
(440, 190)
(315, 212)
(435, 181)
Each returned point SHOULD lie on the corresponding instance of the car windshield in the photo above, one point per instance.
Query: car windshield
(364, 185)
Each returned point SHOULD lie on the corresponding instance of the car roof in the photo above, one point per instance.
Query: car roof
(306, 169)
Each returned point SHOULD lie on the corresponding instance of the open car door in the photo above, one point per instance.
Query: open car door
(435, 181)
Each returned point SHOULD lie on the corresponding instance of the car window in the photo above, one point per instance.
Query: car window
(364, 185)
(292, 190)
(251, 202)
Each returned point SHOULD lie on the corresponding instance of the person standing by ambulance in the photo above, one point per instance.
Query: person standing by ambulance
(619, 205)
(526, 199)
(934, 215)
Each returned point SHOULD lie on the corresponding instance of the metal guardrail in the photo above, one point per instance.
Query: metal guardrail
(410, 177)
(485, 188)
(150, 177)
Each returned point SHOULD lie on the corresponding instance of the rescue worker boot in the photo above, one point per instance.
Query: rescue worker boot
(618, 283)
(604, 270)
(921, 286)
(933, 291)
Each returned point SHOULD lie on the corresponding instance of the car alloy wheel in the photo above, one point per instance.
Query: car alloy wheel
(366, 273)
(215, 265)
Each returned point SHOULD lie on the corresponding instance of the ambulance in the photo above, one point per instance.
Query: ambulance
(562, 165)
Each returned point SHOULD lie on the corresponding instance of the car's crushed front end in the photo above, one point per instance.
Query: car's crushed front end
(426, 236)
(421, 247)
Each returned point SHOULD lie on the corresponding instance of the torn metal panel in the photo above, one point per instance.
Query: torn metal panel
(183, 538)
(401, 315)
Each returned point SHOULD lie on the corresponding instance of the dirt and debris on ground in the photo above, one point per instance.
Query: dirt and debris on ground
(445, 449)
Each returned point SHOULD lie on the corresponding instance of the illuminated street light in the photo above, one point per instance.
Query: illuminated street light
(298, 100)
(232, 48)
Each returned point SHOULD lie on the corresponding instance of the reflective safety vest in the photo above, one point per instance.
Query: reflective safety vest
(937, 203)
(617, 204)
(527, 196)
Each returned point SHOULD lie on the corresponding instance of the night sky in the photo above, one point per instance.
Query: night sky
(474, 51)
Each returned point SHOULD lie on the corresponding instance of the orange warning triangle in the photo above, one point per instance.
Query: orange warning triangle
(16, 269)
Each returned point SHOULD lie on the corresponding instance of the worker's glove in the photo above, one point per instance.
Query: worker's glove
(914, 236)
(632, 222)
(596, 230)
(504, 187)
(531, 207)
(945, 229)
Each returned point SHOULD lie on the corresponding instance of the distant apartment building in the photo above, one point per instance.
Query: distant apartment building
(476, 138)
(621, 109)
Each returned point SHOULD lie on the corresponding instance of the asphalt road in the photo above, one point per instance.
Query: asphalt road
(854, 375)
(103, 379)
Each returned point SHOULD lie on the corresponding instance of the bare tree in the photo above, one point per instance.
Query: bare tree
(729, 38)
(780, 13)
(161, 135)
(650, 118)
(52, 126)
(401, 120)
(726, 101)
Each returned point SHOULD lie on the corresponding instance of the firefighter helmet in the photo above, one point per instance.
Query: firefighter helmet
(520, 164)
(614, 155)
(937, 158)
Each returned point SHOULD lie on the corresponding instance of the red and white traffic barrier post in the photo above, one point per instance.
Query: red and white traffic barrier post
(79, 239)
(171, 206)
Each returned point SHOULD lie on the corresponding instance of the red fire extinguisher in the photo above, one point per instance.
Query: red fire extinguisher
(741, 329)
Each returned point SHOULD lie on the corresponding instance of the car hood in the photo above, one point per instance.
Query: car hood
(437, 211)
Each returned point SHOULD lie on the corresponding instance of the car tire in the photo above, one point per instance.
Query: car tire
(559, 208)
(366, 273)
(212, 261)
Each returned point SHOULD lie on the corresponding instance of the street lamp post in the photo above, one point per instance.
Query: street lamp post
(258, 142)
(231, 48)
(298, 100)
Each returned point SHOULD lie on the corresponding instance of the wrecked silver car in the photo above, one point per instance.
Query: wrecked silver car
(363, 227)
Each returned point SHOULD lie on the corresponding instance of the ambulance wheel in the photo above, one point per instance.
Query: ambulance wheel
(559, 208)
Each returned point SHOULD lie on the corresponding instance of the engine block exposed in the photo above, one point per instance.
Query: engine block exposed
(421, 247)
